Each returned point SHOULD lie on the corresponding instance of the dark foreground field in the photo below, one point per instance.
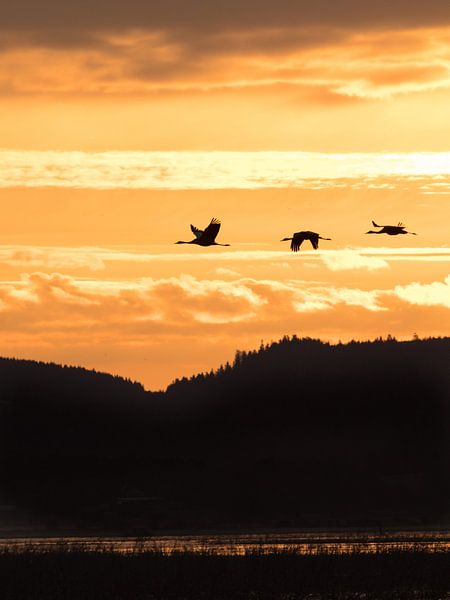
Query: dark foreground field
(286, 575)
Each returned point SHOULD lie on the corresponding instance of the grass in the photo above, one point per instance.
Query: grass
(280, 575)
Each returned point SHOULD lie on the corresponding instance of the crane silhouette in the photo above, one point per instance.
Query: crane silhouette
(391, 229)
(299, 237)
(205, 237)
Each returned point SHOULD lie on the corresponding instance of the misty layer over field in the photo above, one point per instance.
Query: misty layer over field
(298, 433)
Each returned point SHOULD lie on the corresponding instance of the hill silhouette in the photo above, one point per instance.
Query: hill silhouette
(296, 433)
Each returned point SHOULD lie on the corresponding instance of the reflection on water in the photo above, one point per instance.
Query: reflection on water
(302, 543)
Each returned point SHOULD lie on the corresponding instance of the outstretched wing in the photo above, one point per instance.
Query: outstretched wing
(297, 240)
(210, 233)
(314, 239)
(197, 232)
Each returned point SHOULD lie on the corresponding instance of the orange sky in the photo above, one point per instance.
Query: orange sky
(122, 123)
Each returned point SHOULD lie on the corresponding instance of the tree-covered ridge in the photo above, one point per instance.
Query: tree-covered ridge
(290, 349)
(360, 384)
(296, 432)
(21, 377)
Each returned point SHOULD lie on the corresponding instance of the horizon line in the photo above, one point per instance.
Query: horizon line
(389, 338)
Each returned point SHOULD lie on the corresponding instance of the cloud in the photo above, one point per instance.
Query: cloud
(156, 329)
(227, 272)
(224, 170)
(191, 16)
(436, 293)
(325, 298)
(175, 301)
(214, 51)
(54, 303)
(52, 258)
(95, 258)
(344, 260)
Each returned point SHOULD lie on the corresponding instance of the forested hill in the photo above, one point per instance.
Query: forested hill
(314, 388)
(298, 432)
(310, 372)
(50, 409)
(23, 378)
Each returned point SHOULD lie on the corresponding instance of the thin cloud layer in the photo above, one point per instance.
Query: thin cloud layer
(54, 258)
(96, 259)
(347, 260)
(224, 170)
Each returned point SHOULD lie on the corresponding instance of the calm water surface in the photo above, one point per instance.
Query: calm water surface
(304, 543)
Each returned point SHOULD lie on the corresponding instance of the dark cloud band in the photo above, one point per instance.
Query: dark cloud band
(54, 16)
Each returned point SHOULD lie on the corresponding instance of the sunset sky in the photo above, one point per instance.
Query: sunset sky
(123, 122)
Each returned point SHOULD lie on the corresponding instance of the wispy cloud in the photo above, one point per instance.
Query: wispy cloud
(436, 293)
(227, 272)
(347, 259)
(94, 258)
(223, 170)
(53, 258)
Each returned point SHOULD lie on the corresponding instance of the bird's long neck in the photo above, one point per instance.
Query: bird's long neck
(374, 232)
(181, 242)
(321, 238)
(216, 244)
